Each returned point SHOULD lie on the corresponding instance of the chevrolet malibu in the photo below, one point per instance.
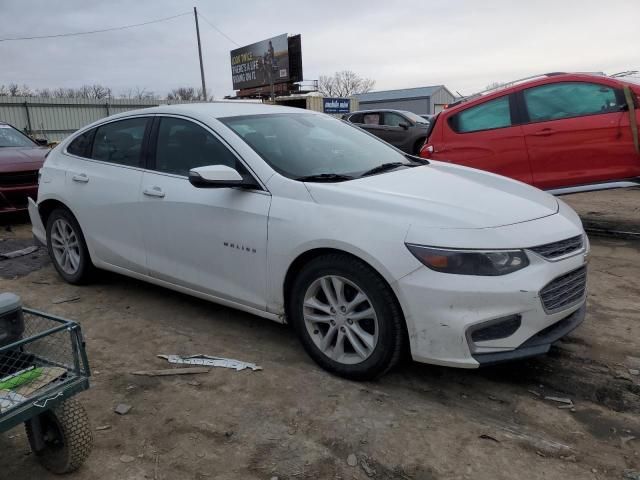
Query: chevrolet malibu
(298, 217)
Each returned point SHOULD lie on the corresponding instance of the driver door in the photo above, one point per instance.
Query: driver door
(211, 240)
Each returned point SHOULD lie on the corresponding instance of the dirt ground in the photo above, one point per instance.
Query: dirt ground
(294, 421)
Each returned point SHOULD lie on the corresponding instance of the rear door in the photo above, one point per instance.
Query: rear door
(484, 136)
(103, 180)
(577, 133)
(372, 122)
(394, 133)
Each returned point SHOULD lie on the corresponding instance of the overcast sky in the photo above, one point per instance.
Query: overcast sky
(463, 44)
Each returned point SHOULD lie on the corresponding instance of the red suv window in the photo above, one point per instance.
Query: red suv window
(486, 116)
(570, 99)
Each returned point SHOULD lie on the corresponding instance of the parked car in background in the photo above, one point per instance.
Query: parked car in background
(404, 130)
(564, 133)
(20, 160)
(297, 216)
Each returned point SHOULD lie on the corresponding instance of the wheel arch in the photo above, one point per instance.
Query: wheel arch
(47, 206)
(296, 266)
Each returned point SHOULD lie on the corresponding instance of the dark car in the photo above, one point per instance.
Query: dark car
(404, 130)
(20, 160)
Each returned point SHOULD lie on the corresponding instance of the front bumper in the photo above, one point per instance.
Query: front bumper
(539, 344)
(442, 309)
(13, 199)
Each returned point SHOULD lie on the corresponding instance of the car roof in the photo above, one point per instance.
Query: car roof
(214, 109)
(380, 110)
(542, 80)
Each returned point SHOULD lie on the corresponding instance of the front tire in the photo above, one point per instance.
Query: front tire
(67, 247)
(347, 317)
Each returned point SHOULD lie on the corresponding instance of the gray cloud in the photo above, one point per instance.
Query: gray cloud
(464, 44)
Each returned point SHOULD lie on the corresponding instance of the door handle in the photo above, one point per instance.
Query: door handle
(154, 191)
(545, 132)
(80, 178)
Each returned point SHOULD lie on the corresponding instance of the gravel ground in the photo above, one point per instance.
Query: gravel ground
(294, 421)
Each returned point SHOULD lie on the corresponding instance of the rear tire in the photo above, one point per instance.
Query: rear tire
(67, 247)
(356, 329)
(67, 437)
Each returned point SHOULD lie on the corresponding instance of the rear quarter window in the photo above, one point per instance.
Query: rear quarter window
(486, 116)
(81, 145)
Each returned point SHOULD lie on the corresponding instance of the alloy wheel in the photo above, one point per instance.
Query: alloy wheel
(65, 246)
(340, 319)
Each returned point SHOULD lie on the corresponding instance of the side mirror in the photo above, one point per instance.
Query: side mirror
(218, 176)
(404, 125)
(43, 142)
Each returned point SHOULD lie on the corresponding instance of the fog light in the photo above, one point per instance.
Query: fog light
(495, 329)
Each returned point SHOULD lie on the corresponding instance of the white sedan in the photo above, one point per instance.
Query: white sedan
(298, 217)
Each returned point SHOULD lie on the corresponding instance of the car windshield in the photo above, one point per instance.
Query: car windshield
(10, 137)
(415, 118)
(299, 145)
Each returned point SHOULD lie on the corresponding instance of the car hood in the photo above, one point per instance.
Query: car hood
(440, 195)
(21, 158)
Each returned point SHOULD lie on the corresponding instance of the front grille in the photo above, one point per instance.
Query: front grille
(565, 291)
(554, 250)
(19, 178)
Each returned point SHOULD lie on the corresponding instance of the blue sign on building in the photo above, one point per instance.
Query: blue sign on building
(336, 105)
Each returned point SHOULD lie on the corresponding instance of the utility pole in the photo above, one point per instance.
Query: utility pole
(204, 87)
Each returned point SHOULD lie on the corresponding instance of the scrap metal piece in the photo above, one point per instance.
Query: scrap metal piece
(171, 371)
(209, 361)
(19, 253)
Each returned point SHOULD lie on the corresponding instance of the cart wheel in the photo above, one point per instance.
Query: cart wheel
(67, 437)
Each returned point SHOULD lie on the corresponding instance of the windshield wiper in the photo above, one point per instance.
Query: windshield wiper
(385, 167)
(325, 177)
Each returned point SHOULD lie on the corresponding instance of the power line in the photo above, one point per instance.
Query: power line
(218, 30)
(97, 31)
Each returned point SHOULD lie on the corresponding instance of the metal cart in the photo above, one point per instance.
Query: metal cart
(43, 363)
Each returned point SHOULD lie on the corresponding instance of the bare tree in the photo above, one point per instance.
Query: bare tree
(138, 93)
(344, 84)
(494, 85)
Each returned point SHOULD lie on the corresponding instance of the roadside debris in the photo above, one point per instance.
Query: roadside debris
(122, 409)
(18, 253)
(352, 460)
(103, 427)
(172, 371)
(65, 300)
(565, 400)
(631, 475)
(209, 361)
(370, 471)
(484, 436)
(634, 371)
(127, 458)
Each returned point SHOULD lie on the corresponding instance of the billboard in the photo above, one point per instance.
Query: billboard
(336, 105)
(261, 63)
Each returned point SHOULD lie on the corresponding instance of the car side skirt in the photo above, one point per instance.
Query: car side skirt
(594, 187)
(205, 296)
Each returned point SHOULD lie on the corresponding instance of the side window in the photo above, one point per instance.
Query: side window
(183, 145)
(357, 118)
(570, 99)
(394, 120)
(372, 119)
(486, 116)
(120, 142)
(81, 145)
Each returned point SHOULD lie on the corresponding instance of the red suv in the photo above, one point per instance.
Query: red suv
(564, 133)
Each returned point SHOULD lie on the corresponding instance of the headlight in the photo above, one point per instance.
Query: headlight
(470, 262)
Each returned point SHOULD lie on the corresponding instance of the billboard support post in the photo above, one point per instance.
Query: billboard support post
(204, 87)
